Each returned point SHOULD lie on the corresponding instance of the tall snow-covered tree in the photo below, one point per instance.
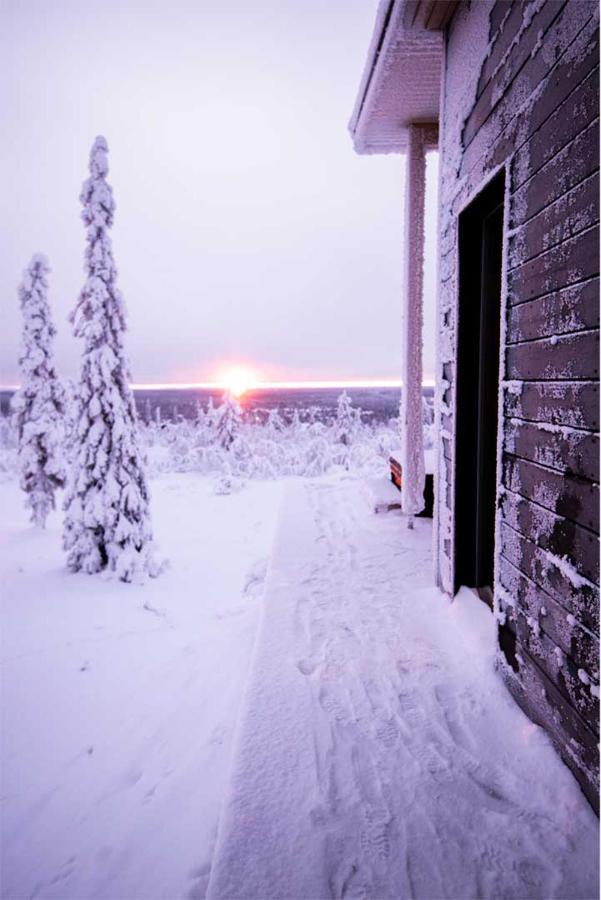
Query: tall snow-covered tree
(107, 522)
(39, 405)
(228, 417)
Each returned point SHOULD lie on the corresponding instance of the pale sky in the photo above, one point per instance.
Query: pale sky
(247, 229)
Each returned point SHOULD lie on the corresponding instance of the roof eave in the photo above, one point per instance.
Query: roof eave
(374, 130)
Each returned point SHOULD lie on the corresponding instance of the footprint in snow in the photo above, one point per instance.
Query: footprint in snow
(255, 579)
(306, 667)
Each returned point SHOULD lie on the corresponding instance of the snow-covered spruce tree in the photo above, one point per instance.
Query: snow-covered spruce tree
(228, 417)
(107, 521)
(39, 405)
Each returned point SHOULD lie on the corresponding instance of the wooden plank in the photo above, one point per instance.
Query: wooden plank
(570, 451)
(511, 15)
(574, 44)
(576, 596)
(553, 532)
(573, 404)
(564, 172)
(440, 13)
(557, 666)
(572, 49)
(498, 16)
(568, 496)
(573, 213)
(565, 358)
(568, 263)
(545, 614)
(522, 54)
(575, 308)
(559, 130)
(543, 703)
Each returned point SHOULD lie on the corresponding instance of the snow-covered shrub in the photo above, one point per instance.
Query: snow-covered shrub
(261, 449)
(302, 445)
(39, 405)
(107, 521)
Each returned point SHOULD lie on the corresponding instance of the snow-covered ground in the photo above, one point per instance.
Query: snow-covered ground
(379, 754)
(119, 701)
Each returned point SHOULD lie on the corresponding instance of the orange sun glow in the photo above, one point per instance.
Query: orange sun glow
(239, 380)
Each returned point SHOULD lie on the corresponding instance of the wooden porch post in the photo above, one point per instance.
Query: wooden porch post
(412, 436)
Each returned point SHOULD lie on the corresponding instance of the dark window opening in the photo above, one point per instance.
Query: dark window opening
(478, 340)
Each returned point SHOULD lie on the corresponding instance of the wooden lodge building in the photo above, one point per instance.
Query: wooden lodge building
(508, 94)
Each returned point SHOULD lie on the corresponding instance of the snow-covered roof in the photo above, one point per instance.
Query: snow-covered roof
(401, 79)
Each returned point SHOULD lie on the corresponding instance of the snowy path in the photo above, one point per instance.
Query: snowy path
(117, 719)
(379, 754)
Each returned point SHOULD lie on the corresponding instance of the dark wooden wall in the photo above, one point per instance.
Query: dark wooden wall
(534, 109)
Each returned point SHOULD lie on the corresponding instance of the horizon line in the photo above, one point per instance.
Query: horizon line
(263, 385)
(287, 385)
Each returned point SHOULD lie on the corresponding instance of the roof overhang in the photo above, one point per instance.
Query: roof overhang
(401, 80)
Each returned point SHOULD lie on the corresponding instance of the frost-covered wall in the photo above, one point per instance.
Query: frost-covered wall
(521, 92)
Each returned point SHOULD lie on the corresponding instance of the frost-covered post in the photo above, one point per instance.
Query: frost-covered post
(412, 435)
(107, 521)
(40, 403)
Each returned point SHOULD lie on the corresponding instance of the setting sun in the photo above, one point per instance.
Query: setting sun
(239, 380)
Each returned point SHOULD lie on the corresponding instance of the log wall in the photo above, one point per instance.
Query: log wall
(521, 92)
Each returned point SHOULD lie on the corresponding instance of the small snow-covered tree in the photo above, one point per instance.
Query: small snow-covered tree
(200, 416)
(210, 414)
(107, 522)
(347, 420)
(39, 405)
(295, 423)
(275, 424)
(228, 417)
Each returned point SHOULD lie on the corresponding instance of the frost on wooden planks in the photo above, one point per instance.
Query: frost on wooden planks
(412, 439)
(558, 642)
(107, 522)
(39, 405)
